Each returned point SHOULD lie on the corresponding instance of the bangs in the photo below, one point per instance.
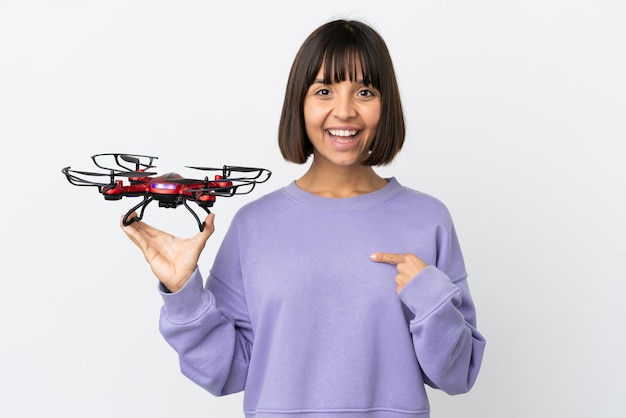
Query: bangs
(344, 64)
(344, 57)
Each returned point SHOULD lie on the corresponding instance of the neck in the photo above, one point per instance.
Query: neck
(340, 182)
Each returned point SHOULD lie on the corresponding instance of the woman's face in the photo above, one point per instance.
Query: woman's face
(341, 119)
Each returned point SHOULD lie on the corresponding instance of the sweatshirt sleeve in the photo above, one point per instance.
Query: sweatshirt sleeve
(209, 327)
(447, 344)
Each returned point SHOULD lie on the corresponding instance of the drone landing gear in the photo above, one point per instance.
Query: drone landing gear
(127, 220)
(200, 224)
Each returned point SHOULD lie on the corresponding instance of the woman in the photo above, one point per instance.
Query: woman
(343, 293)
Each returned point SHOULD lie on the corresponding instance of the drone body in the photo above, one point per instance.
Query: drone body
(170, 190)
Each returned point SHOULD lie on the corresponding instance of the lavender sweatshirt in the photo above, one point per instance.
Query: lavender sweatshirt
(295, 313)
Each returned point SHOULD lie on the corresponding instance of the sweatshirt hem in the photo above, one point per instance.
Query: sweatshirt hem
(339, 413)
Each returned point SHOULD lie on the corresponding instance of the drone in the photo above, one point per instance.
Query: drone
(128, 176)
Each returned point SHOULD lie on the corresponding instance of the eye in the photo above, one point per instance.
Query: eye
(366, 93)
(322, 92)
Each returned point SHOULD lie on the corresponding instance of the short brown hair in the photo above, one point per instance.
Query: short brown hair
(338, 45)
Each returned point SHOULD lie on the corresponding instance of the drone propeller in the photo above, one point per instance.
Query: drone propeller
(85, 173)
(139, 161)
(113, 173)
(129, 158)
(135, 159)
(74, 176)
(227, 170)
(135, 173)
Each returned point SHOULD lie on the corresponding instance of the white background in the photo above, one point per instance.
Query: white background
(516, 120)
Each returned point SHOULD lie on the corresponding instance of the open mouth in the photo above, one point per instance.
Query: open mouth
(343, 135)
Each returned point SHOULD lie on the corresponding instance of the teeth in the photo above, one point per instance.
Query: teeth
(342, 132)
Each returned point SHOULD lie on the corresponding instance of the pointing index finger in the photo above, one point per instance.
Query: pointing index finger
(389, 258)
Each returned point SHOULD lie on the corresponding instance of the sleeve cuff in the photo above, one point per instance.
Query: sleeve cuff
(427, 291)
(188, 303)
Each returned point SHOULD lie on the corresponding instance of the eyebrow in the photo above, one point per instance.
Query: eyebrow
(321, 81)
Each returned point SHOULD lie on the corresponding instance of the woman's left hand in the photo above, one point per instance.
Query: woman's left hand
(408, 266)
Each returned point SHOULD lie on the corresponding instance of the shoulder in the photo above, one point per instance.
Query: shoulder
(263, 207)
(420, 203)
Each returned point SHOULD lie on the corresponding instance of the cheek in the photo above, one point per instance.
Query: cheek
(377, 115)
(372, 121)
(313, 118)
(371, 116)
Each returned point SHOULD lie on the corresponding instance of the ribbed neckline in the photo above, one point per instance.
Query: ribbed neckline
(360, 202)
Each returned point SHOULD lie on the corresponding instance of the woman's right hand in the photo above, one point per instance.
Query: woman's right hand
(171, 259)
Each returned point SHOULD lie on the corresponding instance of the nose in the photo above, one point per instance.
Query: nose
(344, 108)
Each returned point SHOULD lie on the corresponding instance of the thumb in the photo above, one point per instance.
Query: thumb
(207, 230)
